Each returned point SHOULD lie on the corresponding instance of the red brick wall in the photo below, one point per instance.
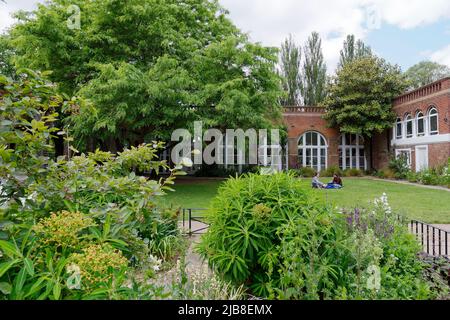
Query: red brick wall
(381, 150)
(302, 119)
(436, 94)
(439, 99)
(438, 154)
(299, 123)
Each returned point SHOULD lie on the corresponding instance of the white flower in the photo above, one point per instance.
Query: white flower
(196, 152)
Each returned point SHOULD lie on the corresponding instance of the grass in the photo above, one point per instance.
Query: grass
(428, 205)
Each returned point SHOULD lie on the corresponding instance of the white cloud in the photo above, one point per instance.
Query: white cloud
(442, 56)
(6, 9)
(270, 21)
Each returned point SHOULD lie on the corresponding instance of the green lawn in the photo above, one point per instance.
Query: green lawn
(432, 206)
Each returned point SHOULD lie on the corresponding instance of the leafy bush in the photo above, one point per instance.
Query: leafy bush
(206, 171)
(385, 173)
(277, 239)
(353, 173)
(92, 218)
(304, 172)
(245, 217)
(434, 176)
(332, 170)
(399, 165)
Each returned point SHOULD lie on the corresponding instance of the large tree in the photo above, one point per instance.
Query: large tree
(6, 55)
(150, 66)
(353, 49)
(361, 94)
(426, 72)
(290, 65)
(314, 75)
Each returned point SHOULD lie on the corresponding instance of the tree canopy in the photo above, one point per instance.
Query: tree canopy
(150, 66)
(426, 72)
(360, 96)
(353, 49)
(314, 75)
(290, 65)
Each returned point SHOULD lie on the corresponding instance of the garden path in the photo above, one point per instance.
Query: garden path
(411, 184)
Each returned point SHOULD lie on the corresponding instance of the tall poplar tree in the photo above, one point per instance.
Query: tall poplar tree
(314, 75)
(353, 50)
(290, 65)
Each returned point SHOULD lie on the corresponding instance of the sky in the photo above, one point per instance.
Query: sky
(403, 32)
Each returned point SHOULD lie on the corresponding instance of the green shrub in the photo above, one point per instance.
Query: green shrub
(353, 173)
(385, 173)
(412, 177)
(399, 165)
(77, 229)
(304, 172)
(245, 216)
(277, 239)
(332, 170)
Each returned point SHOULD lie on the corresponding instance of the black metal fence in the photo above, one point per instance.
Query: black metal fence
(435, 241)
(194, 221)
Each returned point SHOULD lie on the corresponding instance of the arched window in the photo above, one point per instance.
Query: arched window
(409, 126)
(420, 124)
(313, 151)
(352, 154)
(433, 121)
(399, 129)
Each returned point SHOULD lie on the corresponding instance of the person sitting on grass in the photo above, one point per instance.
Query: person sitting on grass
(316, 184)
(337, 180)
(336, 183)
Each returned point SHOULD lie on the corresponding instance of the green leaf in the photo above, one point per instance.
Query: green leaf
(57, 291)
(20, 281)
(10, 249)
(38, 285)
(4, 267)
(5, 288)
(29, 266)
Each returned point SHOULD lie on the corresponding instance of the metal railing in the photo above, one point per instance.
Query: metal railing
(194, 221)
(435, 241)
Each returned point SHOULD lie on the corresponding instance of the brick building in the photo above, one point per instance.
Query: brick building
(421, 133)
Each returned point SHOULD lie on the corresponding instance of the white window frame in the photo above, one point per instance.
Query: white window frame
(423, 118)
(398, 134)
(409, 119)
(429, 116)
(343, 147)
(318, 147)
(409, 157)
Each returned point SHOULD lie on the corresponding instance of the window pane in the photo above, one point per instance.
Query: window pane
(353, 157)
(300, 143)
(433, 125)
(308, 157)
(399, 130)
(300, 156)
(314, 139)
(322, 141)
(341, 160)
(309, 138)
(420, 126)
(409, 128)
